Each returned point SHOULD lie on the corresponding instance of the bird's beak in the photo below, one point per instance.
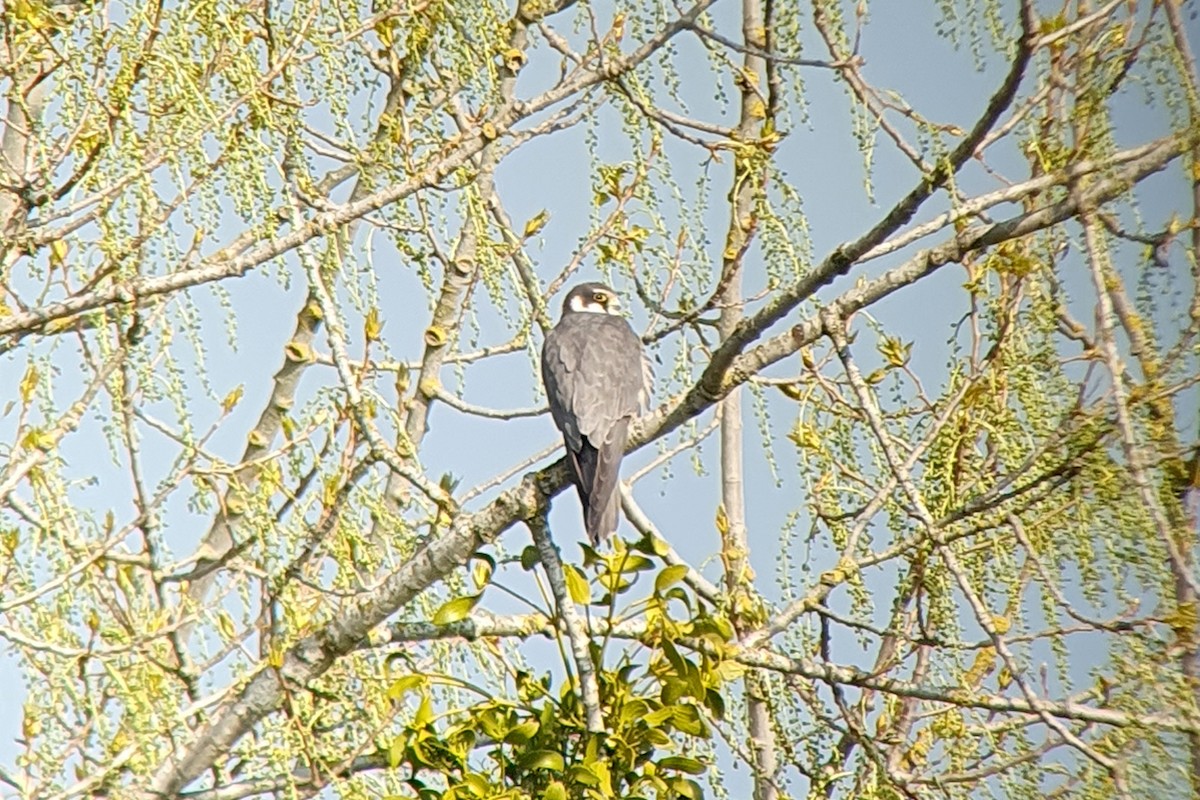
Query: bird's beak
(614, 305)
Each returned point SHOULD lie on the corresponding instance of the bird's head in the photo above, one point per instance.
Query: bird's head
(592, 298)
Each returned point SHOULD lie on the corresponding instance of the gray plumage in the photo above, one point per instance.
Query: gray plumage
(595, 381)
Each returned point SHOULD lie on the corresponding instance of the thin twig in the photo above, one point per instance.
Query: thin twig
(642, 523)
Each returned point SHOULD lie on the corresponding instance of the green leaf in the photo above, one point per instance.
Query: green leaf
(542, 759)
(373, 325)
(555, 791)
(708, 628)
(688, 720)
(724, 627)
(669, 577)
(657, 737)
(225, 625)
(396, 751)
(529, 557)
(677, 593)
(695, 682)
(634, 710)
(456, 609)
(677, 661)
(58, 252)
(534, 225)
(656, 718)
(674, 690)
(460, 739)
(482, 569)
(634, 563)
(492, 723)
(685, 787)
(424, 713)
(583, 776)
(683, 764)
(523, 733)
(896, 352)
(404, 684)
(231, 400)
(614, 582)
(715, 702)
(476, 784)
(577, 584)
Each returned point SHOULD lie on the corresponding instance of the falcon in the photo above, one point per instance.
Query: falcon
(596, 383)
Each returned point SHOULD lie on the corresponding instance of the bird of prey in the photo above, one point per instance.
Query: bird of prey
(596, 383)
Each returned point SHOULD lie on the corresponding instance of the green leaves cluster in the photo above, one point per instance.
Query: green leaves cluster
(539, 746)
(659, 699)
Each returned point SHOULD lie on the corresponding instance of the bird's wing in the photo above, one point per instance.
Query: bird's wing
(609, 381)
(643, 395)
(607, 398)
(604, 496)
(583, 467)
(561, 353)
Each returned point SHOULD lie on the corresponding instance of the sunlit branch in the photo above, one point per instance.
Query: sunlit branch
(834, 328)
(756, 52)
(440, 393)
(520, 466)
(483, 625)
(302, 779)
(336, 338)
(1151, 159)
(589, 689)
(643, 524)
(225, 265)
(1077, 25)
(218, 544)
(1135, 455)
(972, 207)
(39, 446)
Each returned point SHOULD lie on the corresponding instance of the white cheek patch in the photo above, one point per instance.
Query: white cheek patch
(579, 303)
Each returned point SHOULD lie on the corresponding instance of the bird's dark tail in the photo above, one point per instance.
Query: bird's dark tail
(600, 470)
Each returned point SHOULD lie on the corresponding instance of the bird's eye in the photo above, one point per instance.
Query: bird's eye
(600, 297)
